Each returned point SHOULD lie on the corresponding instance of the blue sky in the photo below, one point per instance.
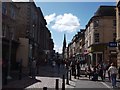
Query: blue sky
(68, 18)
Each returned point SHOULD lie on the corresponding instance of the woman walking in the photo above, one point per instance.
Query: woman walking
(113, 73)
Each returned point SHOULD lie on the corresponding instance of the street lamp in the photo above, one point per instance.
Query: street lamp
(9, 60)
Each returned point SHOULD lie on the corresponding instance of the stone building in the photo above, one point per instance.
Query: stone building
(79, 49)
(9, 37)
(30, 36)
(33, 31)
(27, 31)
(100, 36)
(76, 46)
(118, 31)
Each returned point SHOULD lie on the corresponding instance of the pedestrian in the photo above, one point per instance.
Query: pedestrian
(107, 67)
(33, 68)
(73, 68)
(113, 73)
(53, 63)
(119, 72)
(4, 71)
(104, 70)
(20, 69)
(37, 66)
(101, 72)
(58, 64)
(78, 69)
(95, 74)
(89, 72)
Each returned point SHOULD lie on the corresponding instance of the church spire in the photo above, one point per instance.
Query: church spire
(64, 45)
(64, 42)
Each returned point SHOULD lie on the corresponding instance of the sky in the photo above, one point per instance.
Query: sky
(67, 17)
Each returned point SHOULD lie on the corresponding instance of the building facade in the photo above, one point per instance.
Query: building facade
(118, 31)
(9, 37)
(97, 40)
(30, 37)
(76, 46)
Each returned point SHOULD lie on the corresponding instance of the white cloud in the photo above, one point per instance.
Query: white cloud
(50, 18)
(67, 22)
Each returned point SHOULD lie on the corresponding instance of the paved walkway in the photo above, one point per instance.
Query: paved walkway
(46, 78)
(85, 83)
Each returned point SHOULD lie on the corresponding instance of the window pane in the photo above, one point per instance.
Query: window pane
(96, 23)
(3, 8)
(96, 35)
(12, 12)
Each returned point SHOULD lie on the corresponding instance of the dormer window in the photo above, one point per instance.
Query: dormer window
(96, 23)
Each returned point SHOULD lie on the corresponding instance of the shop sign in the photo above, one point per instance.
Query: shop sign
(112, 44)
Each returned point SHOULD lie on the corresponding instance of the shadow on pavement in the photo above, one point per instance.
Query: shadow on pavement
(49, 71)
(20, 84)
(26, 81)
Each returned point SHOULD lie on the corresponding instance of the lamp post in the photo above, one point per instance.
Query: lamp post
(33, 42)
(9, 60)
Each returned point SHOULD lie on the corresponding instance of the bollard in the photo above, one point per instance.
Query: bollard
(67, 81)
(57, 84)
(44, 88)
(70, 74)
(63, 83)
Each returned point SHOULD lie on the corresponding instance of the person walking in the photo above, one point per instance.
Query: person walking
(73, 68)
(78, 69)
(113, 73)
(58, 65)
(108, 71)
(95, 74)
(4, 71)
(33, 68)
(89, 72)
(101, 72)
(104, 70)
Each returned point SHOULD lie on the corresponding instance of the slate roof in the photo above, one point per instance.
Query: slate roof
(106, 11)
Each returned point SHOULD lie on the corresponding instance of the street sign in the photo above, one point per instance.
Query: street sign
(112, 44)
